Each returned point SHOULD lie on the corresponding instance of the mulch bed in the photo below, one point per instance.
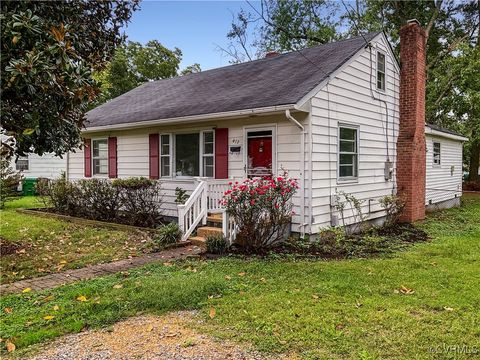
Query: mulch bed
(375, 242)
(9, 247)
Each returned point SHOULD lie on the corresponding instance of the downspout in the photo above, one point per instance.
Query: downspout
(302, 169)
(67, 170)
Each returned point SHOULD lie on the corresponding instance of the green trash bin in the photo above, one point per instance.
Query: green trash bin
(28, 186)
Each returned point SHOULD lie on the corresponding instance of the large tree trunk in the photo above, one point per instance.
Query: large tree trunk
(474, 162)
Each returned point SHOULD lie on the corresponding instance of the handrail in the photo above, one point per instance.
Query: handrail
(193, 211)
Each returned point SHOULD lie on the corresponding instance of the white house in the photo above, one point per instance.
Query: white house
(36, 166)
(330, 115)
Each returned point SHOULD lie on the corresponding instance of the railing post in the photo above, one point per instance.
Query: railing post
(181, 219)
(204, 203)
(225, 227)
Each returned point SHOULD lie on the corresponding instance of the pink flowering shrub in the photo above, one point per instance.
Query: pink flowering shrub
(262, 209)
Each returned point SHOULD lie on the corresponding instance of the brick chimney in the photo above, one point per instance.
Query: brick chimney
(411, 152)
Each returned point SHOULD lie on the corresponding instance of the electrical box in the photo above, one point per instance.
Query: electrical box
(388, 170)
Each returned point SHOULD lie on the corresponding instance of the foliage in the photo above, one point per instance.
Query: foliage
(359, 219)
(216, 244)
(311, 309)
(134, 64)
(9, 179)
(181, 195)
(191, 69)
(141, 200)
(471, 185)
(393, 206)
(167, 235)
(262, 209)
(48, 245)
(133, 201)
(49, 50)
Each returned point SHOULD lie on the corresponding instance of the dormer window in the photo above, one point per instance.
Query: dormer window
(381, 71)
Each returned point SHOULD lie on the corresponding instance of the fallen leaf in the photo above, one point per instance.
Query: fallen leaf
(167, 264)
(26, 290)
(241, 274)
(315, 296)
(263, 280)
(56, 308)
(212, 313)
(228, 277)
(118, 286)
(48, 317)
(447, 308)
(8, 310)
(62, 262)
(81, 298)
(406, 291)
(149, 327)
(10, 346)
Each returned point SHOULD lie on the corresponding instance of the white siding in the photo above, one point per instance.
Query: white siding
(45, 166)
(347, 99)
(444, 181)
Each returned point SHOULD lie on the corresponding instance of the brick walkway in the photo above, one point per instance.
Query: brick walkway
(89, 272)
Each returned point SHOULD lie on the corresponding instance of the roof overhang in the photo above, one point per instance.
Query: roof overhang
(430, 131)
(270, 110)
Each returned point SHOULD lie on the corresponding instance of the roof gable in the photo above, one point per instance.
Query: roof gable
(280, 80)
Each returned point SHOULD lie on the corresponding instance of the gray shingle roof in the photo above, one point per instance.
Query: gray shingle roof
(445, 130)
(280, 80)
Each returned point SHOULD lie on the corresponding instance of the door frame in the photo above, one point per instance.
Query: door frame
(261, 127)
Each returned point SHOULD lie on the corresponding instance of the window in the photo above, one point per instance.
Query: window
(165, 155)
(380, 71)
(436, 153)
(100, 156)
(208, 154)
(348, 153)
(193, 154)
(22, 163)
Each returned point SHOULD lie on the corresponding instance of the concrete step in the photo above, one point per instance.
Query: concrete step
(208, 230)
(197, 240)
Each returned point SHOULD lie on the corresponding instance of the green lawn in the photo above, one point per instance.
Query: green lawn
(316, 309)
(51, 245)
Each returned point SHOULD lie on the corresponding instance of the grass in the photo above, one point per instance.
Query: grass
(396, 307)
(50, 245)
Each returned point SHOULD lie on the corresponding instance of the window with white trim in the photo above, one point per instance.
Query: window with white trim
(208, 154)
(22, 163)
(165, 155)
(100, 156)
(436, 153)
(188, 154)
(348, 152)
(381, 71)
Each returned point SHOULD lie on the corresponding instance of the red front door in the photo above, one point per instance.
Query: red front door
(259, 156)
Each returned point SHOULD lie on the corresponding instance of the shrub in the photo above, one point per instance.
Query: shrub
(342, 199)
(141, 200)
(181, 195)
(60, 194)
(9, 179)
(262, 209)
(98, 199)
(216, 244)
(393, 206)
(471, 185)
(168, 234)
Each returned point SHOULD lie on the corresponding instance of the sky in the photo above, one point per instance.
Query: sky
(195, 27)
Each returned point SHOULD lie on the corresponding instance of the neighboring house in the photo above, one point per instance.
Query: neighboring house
(35, 166)
(330, 115)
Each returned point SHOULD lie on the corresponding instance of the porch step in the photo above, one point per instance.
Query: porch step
(197, 240)
(214, 220)
(204, 231)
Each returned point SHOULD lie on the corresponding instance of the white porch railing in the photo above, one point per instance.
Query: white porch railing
(205, 199)
(216, 189)
(194, 210)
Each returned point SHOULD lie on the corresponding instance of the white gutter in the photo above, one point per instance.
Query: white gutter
(186, 119)
(430, 131)
(302, 169)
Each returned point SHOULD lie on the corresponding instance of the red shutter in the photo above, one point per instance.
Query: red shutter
(154, 148)
(112, 157)
(87, 157)
(221, 153)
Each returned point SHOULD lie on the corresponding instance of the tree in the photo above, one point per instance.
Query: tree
(191, 69)
(134, 64)
(49, 51)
